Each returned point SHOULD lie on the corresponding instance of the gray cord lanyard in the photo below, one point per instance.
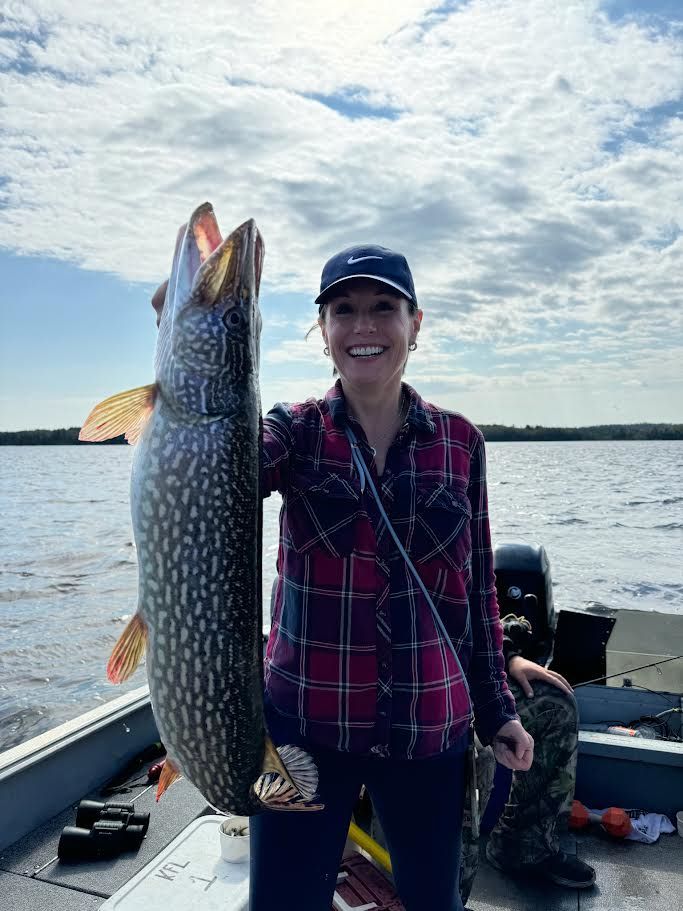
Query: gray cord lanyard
(365, 476)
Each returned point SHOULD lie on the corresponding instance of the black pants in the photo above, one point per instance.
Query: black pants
(295, 856)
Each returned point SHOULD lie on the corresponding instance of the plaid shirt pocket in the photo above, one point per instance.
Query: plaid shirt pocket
(321, 512)
(441, 530)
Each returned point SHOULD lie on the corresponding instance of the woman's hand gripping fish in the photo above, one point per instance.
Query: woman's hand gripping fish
(197, 520)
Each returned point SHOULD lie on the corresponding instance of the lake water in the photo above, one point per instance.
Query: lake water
(610, 515)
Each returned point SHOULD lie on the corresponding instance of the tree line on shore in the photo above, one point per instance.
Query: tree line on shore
(494, 433)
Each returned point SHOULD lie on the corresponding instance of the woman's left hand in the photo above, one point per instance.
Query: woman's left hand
(513, 747)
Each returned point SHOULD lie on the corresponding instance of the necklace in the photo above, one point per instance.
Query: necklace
(389, 435)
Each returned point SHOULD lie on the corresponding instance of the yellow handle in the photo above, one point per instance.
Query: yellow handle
(368, 844)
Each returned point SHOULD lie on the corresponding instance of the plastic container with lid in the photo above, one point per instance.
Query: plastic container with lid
(234, 839)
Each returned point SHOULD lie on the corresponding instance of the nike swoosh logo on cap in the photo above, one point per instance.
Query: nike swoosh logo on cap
(360, 259)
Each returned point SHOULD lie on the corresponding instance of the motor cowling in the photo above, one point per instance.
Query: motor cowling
(524, 587)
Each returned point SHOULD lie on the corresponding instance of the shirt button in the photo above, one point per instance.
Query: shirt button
(382, 713)
(385, 665)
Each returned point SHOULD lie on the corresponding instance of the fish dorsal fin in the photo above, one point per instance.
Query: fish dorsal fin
(169, 774)
(127, 412)
(289, 780)
(128, 651)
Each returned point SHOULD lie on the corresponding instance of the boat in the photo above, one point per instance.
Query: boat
(632, 657)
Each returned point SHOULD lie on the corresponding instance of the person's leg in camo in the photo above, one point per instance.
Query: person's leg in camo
(469, 852)
(526, 839)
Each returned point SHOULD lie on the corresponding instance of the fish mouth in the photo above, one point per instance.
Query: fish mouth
(207, 268)
(232, 270)
(205, 229)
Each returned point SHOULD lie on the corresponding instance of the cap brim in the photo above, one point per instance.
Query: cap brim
(320, 299)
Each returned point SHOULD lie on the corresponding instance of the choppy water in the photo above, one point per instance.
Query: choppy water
(609, 513)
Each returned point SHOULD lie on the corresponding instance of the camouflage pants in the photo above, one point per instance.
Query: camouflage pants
(538, 807)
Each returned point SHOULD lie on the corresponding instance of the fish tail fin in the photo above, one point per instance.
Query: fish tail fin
(289, 780)
(128, 650)
(169, 774)
(127, 412)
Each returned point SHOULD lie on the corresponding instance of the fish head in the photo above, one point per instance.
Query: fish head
(210, 326)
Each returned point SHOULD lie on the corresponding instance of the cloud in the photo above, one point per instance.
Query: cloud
(294, 351)
(526, 157)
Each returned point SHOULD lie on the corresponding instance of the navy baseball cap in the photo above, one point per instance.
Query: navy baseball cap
(367, 261)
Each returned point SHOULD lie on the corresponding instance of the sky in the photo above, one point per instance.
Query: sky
(527, 158)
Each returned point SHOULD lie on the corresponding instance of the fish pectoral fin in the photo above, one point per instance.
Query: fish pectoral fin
(301, 768)
(169, 774)
(128, 650)
(289, 780)
(127, 412)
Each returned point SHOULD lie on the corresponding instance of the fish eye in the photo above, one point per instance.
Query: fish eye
(234, 318)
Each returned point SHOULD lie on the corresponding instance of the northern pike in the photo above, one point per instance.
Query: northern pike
(197, 521)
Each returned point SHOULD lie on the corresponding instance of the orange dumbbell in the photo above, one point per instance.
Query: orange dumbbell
(613, 820)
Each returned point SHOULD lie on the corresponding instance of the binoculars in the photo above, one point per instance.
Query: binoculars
(102, 830)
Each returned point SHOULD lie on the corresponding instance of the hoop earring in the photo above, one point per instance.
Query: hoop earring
(412, 346)
(326, 351)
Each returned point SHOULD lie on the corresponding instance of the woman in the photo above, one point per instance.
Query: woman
(357, 669)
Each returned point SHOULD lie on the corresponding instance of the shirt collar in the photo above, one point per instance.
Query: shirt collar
(418, 415)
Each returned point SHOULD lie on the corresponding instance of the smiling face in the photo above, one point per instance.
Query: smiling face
(368, 329)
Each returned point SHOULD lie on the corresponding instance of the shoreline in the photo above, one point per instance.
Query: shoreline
(493, 433)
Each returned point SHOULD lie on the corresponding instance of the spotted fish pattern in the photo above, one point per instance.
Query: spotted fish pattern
(197, 520)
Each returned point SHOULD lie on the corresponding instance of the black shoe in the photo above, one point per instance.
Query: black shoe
(562, 869)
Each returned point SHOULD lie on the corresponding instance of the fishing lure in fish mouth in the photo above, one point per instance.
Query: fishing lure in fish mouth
(197, 519)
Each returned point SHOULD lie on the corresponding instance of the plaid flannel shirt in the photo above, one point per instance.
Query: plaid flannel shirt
(355, 661)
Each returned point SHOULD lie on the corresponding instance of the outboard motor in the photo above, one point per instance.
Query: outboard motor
(525, 588)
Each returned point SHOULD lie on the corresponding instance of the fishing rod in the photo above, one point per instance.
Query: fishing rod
(629, 671)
